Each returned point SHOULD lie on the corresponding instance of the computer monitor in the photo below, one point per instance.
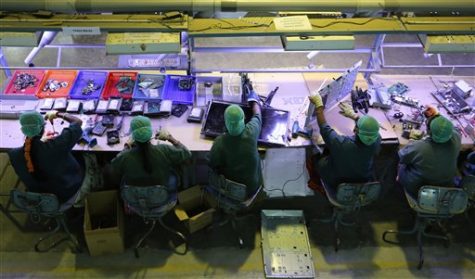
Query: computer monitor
(274, 123)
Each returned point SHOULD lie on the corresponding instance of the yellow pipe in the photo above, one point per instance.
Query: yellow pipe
(127, 6)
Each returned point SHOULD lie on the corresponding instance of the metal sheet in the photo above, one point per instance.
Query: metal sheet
(285, 246)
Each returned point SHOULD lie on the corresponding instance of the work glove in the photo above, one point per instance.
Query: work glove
(347, 111)
(252, 97)
(130, 142)
(430, 111)
(50, 115)
(163, 134)
(316, 99)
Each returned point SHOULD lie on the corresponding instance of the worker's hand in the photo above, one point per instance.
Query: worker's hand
(347, 111)
(316, 99)
(130, 142)
(430, 111)
(50, 115)
(252, 97)
(164, 134)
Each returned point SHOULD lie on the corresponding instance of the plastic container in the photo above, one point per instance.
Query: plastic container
(207, 89)
(111, 88)
(66, 77)
(31, 89)
(174, 93)
(149, 94)
(80, 90)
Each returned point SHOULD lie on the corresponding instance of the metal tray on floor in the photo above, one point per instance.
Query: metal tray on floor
(285, 246)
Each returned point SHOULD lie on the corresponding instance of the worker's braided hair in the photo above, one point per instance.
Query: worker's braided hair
(29, 160)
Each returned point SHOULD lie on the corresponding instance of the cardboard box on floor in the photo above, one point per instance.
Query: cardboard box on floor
(110, 239)
(191, 200)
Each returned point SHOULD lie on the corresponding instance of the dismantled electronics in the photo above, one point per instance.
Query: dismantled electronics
(90, 87)
(138, 107)
(158, 108)
(23, 81)
(452, 98)
(89, 106)
(73, 106)
(114, 105)
(185, 83)
(99, 129)
(60, 104)
(360, 100)
(54, 85)
(179, 109)
(108, 120)
(102, 106)
(196, 115)
(113, 136)
(285, 245)
(406, 101)
(126, 105)
(47, 104)
(398, 89)
(125, 85)
(150, 86)
(274, 123)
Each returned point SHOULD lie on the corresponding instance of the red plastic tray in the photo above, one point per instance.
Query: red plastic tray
(31, 90)
(110, 91)
(61, 76)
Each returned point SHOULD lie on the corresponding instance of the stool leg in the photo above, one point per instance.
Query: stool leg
(419, 245)
(49, 235)
(139, 243)
(337, 235)
(179, 234)
(238, 235)
(412, 231)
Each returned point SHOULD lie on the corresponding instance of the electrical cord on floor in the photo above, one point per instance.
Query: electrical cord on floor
(282, 189)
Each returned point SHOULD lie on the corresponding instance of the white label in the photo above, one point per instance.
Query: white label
(153, 93)
(292, 23)
(81, 31)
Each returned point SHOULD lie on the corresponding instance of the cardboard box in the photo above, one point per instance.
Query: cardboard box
(104, 223)
(194, 209)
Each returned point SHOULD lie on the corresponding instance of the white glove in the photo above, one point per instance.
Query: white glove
(347, 111)
(130, 142)
(163, 134)
(316, 99)
(50, 115)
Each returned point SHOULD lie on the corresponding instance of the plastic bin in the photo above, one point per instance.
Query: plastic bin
(82, 81)
(113, 79)
(67, 76)
(153, 94)
(32, 89)
(174, 93)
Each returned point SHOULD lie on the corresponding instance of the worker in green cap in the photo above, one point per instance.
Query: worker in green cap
(432, 160)
(46, 164)
(147, 164)
(234, 154)
(350, 158)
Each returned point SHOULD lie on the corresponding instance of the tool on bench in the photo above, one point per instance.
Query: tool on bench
(113, 136)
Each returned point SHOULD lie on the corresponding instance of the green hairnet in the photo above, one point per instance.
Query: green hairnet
(141, 128)
(234, 120)
(441, 129)
(368, 129)
(31, 123)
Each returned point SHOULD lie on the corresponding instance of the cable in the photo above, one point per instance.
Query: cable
(351, 22)
(286, 182)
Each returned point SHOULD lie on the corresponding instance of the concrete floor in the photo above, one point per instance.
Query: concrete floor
(213, 253)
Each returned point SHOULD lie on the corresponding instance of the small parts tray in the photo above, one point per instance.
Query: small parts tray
(120, 85)
(56, 84)
(149, 87)
(89, 85)
(25, 82)
(180, 89)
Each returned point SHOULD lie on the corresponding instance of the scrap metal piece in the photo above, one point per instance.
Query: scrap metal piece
(285, 245)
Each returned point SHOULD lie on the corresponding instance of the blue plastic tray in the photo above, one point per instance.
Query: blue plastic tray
(173, 93)
(81, 82)
(140, 95)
